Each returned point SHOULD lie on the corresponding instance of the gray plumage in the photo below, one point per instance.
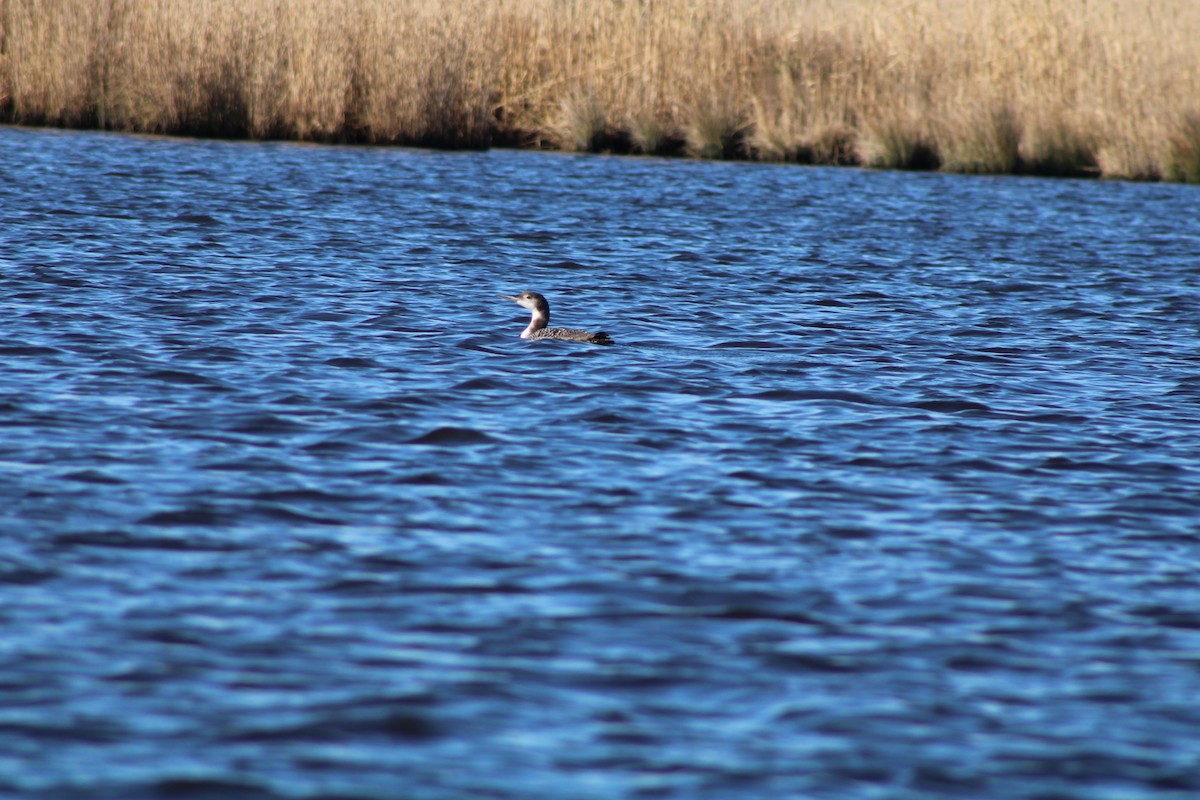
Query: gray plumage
(537, 328)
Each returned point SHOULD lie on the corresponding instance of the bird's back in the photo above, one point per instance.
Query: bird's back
(572, 335)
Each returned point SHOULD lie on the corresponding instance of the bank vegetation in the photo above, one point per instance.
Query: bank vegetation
(1056, 87)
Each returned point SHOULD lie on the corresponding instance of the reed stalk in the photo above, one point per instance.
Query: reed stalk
(1057, 87)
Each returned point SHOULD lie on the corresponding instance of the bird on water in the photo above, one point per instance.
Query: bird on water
(541, 318)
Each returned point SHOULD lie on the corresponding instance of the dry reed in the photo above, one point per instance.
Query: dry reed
(1061, 87)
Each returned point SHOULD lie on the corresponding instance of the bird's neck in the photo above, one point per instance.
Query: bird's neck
(536, 323)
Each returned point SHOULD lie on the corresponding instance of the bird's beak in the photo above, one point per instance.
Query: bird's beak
(507, 297)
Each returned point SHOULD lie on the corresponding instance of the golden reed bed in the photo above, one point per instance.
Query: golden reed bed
(1064, 87)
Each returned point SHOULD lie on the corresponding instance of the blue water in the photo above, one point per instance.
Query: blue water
(890, 487)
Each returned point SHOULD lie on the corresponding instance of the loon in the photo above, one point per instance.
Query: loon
(541, 316)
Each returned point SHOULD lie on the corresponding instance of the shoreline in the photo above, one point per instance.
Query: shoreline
(1022, 87)
(681, 154)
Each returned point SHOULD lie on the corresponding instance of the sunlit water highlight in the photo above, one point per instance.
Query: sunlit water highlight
(890, 487)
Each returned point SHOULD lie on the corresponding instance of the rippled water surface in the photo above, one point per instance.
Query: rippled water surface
(890, 487)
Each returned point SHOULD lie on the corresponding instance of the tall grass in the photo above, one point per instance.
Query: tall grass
(1062, 87)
